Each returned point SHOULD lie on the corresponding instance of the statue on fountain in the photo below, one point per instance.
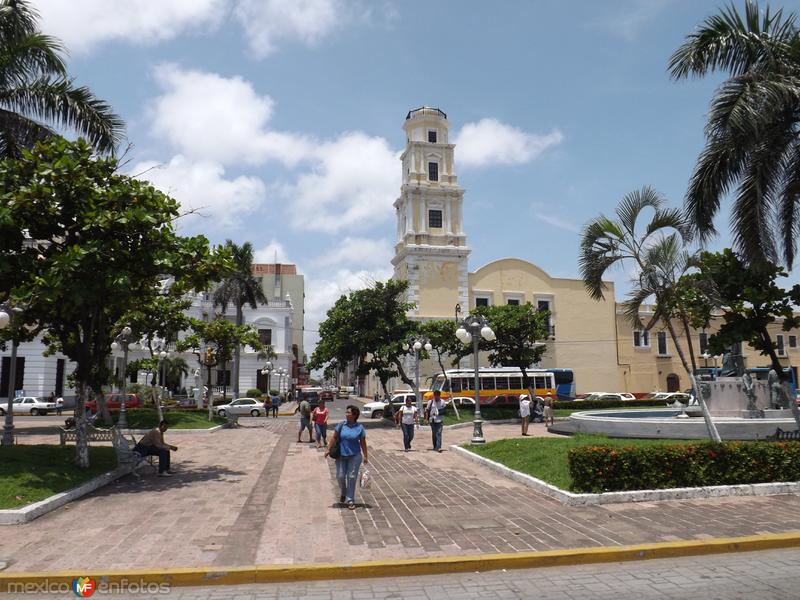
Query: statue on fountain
(778, 394)
(732, 363)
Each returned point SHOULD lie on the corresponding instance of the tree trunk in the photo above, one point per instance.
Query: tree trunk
(210, 396)
(689, 341)
(225, 381)
(526, 383)
(102, 408)
(82, 438)
(712, 428)
(237, 354)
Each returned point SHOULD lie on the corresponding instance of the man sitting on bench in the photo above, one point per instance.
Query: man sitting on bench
(152, 443)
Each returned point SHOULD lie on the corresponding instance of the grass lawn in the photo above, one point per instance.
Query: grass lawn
(488, 413)
(32, 473)
(546, 458)
(147, 418)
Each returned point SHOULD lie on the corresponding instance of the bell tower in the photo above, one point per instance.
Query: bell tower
(431, 250)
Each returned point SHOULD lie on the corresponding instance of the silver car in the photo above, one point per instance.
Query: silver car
(29, 405)
(241, 407)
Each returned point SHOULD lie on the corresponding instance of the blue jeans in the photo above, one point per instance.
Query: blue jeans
(408, 435)
(436, 433)
(321, 431)
(347, 475)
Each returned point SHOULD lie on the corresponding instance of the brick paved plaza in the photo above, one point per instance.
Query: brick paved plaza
(252, 495)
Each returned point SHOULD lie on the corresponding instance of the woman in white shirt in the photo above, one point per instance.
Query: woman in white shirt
(407, 418)
(525, 412)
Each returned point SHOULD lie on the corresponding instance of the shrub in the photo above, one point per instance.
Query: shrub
(273, 392)
(253, 393)
(609, 469)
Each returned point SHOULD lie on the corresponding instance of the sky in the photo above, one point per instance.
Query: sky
(279, 122)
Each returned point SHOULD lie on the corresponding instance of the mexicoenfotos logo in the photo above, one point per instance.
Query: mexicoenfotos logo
(84, 586)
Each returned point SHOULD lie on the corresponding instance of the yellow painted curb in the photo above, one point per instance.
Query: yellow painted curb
(10, 582)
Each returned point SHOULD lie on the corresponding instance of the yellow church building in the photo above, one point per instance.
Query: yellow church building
(590, 337)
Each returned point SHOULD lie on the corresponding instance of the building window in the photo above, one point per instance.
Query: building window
(435, 219)
(224, 377)
(641, 339)
(265, 336)
(433, 171)
(662, 343)
(792, 341)
(481, 302)
(779, 345)
(512, 301)
(432, 137)
(703, 342)
(544, 305)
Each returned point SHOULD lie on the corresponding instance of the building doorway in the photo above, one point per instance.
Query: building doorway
(673, 383)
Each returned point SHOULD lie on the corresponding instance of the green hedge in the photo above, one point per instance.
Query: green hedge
(593, 404)
(610, 469)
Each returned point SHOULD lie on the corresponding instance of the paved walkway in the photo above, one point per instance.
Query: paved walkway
(252, 495)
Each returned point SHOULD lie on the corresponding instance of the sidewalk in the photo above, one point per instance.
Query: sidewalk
(252, 495)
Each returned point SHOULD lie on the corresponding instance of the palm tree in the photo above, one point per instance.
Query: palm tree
(175, 369)
(239, 288)
(753, 129)
(37, 95)
(656, 254)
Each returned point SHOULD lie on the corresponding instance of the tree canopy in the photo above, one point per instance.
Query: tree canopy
(81, 246)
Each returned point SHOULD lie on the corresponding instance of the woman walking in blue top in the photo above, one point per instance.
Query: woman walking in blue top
(352, 442)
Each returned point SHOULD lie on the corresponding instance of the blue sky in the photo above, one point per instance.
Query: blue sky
(280, 122)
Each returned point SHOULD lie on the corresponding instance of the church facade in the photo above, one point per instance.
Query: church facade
(591, 337)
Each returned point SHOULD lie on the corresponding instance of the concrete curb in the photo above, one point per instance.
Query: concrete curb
(571, 499)
(15, 582)
(17, 516)
(172, 431)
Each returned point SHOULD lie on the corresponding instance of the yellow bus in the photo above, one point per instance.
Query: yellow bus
(499, 385)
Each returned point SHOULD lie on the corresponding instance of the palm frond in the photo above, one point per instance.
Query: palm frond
(633, 203)
(789, 209)
(58, 101)
(728, 42)
(670, 218)
(18, 132)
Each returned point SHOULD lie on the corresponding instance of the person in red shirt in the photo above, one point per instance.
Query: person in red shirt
(320, 419)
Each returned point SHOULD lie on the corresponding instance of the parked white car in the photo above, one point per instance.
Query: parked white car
(241, 407)
(29, 405)
(671, 397)
(461, 401)
(376, 409)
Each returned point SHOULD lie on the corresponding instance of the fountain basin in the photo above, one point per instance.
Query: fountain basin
(665, 423)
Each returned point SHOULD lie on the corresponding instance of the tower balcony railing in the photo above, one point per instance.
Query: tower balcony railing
(425, 111)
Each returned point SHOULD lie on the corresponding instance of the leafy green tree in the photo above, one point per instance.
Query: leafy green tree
(442, 336)
(750, 300)
(36, 92)
(91, 245)
(239, 287)
(367, 326)
(753, 130)
(222, 337)
(520, 331)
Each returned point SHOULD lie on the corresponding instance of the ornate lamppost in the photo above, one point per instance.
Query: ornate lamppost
(268, 370)
(472, 329)
(417, 344)
(123, 340)
(8, 315)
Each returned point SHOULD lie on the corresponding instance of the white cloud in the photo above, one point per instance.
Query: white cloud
(271, 253)
(489, 142)
(223, 119)
(83, 24)
(201, 186)
(357, 251)
(353, 185)
(557, 222)
(323, 292)
(635, 17)
(267, 23)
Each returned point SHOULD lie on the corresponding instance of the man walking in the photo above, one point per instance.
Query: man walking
(276, 402)
(434, 413)
(304, 408)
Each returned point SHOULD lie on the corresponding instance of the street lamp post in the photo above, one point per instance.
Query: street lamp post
(7, 316)
(123, 340)
(417, 344)
(471, 329)
(268, 370)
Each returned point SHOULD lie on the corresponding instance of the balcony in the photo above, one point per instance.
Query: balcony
(423, 111)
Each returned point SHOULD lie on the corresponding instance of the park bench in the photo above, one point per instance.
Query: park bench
(784, 436)
(126, 455)
(94, 434)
